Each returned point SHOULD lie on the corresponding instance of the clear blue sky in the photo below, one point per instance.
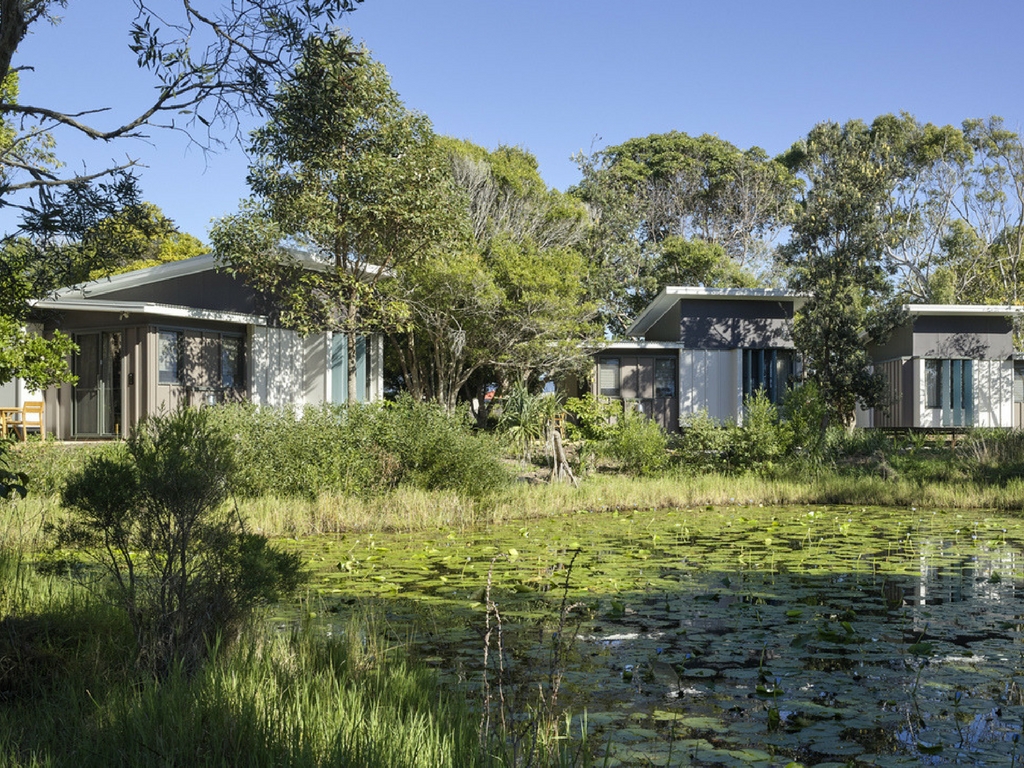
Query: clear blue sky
(561, 76)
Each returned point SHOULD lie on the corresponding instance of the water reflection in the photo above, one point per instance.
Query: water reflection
(832, 635)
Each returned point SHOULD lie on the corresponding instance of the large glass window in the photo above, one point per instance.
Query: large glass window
(768, 370)
(170, 356)
(231, 370)
(949, 385)
(608, 377)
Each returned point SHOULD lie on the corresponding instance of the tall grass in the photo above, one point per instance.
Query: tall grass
(71, 696)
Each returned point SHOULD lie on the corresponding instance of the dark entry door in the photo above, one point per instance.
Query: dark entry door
(649, 383)
(97, 395)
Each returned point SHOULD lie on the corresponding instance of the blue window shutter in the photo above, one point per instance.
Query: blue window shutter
(947, 405)
(957, 394)
(968, 393)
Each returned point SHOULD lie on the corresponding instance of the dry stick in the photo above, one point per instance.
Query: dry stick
(561, 469)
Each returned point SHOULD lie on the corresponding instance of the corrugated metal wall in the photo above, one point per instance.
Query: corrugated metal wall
(709, 380)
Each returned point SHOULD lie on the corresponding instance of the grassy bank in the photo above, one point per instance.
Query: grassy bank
(70, 694)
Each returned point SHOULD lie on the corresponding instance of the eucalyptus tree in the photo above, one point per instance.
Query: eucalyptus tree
(511, 303)
(348, 186)
(981, 253)
(210, 60)
(854, 215)
(666, 197)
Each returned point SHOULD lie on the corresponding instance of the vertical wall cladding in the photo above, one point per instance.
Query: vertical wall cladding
(315, 361)
(709, 381)
(891, 413)
(277, 367)
(993, 392)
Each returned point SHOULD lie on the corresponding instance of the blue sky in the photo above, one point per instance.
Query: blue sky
(562, 76)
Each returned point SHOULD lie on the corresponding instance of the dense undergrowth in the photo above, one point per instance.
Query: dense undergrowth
(72, 692)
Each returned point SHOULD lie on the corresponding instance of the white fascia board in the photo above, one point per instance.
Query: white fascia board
(669, 295)
(203, 263)
(152, 309)
(964, 309)
(639, 344)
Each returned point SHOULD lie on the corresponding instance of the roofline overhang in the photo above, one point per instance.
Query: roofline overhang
(669, 295)
(150, 309)
(175, 269)
(964, 309)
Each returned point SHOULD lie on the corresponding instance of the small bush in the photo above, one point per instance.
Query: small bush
(763, 440)
(703, 444)
(639, 445)
(593, 418)
(181, 565)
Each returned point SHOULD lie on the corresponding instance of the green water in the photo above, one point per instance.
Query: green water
(724, 636)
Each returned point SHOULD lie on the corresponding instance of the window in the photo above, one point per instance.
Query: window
(231, 371)
(949, 385)
(933, 383)
(664, 377)
(769, 371)
(608, 377)
(169, 357)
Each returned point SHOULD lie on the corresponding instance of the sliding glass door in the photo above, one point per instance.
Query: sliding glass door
(97, 395)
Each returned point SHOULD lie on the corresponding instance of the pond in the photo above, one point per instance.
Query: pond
(724, 636)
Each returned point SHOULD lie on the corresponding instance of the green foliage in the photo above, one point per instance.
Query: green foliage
(523, 418)
(703, 444)
(763, 440)
(509, 303)
(639, 444)
(181, 565)
(345, 174)
(677, 207)
(137, 237)
(358, 449)
(40, 361)
(804, 412)
(593, 417)
(849, 223)
(12, 482)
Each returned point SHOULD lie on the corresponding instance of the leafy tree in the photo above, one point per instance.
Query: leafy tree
(980, 258)
(346, 175)
(846, 227)
(649, 195)
(135, 238)
(511, 303)
(210, 61)
(179, 562)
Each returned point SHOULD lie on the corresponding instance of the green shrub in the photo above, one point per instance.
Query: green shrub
(639, 445)
(436, 450)
(593, 418)
(179, 562)
(48, 464)
(361, 450)
(762, 440)
(703, 444)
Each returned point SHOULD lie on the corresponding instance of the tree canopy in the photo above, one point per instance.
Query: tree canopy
(347, 178)
(672, 205)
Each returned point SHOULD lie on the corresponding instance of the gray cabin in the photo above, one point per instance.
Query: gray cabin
(702, 349)
(948, 366)
(178, 334)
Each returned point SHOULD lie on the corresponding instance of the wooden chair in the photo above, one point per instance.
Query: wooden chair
(31, 418)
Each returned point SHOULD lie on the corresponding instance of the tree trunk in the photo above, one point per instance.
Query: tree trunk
(350, 353)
